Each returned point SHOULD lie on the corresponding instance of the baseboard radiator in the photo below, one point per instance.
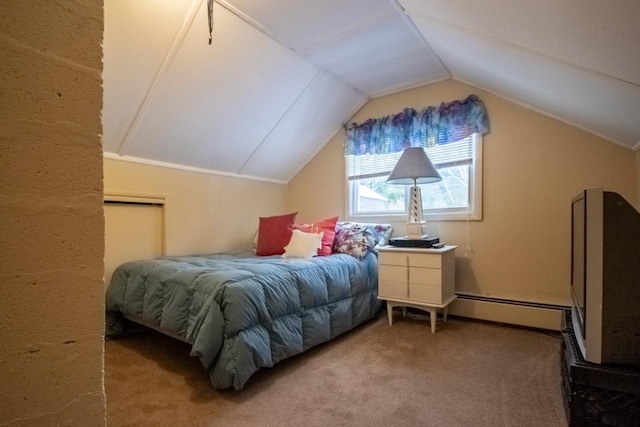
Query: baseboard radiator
(522, 313)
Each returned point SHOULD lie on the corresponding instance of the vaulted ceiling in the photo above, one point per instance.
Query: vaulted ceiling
(281, 76)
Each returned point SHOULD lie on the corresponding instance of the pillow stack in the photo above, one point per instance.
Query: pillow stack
(327, 227)
(280, 235)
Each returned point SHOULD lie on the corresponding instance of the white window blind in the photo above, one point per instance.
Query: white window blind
(458, 196)
(379, 165)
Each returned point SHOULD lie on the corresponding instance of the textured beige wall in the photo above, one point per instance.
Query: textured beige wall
(638, 180)
(533, 166)
(203, 212)
(51, 222)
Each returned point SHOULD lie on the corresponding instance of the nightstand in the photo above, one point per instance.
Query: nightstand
(417, 278)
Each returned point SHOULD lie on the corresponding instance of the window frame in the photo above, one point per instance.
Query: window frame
(473, 212)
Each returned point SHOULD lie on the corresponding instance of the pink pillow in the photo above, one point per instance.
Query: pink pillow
(328, 227)
(274, 233)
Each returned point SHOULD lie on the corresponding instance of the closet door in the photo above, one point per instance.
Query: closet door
(132, 231)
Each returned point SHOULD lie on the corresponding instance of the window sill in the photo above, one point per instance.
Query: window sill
(428, 217)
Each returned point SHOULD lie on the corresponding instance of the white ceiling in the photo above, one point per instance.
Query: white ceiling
(282, 76)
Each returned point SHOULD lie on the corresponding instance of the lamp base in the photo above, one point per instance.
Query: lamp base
(414, 230)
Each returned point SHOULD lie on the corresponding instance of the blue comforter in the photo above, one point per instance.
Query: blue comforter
(241, 312)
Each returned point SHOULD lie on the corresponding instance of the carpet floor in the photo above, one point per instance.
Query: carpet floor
(468, 373)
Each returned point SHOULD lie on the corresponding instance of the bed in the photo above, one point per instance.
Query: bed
(241, 312)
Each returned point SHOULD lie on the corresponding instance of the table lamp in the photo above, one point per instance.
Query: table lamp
(413, 168)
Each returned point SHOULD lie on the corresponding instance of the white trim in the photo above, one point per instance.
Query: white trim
(473, 213)
(131, 159)
(125, 197)
(529, 314)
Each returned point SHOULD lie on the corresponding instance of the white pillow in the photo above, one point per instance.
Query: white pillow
(303, 245)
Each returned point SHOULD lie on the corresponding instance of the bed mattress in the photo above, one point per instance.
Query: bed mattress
(240, 312)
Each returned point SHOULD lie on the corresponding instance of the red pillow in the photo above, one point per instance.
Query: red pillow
(274, 233)
(328, 226)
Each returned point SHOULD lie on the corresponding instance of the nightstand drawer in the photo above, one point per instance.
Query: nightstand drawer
(425, 276)
(391, 258)
(425, 293)
(392, 282)
(393, 273)
(425, 260)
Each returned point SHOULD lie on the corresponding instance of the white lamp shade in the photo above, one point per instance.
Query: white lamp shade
(414, 167)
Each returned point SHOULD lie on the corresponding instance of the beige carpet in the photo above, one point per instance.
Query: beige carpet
(466, 374)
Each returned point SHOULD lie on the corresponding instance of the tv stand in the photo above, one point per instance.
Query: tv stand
(597, 395)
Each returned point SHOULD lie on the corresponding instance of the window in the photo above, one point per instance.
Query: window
(457, 197)
(451, 136)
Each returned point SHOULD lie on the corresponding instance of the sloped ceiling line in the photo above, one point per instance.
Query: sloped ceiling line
(576, 93)
(340, 128)
(339, 37)
(513, 46)
(253, 23)
(166, 62)
(169, 97)
(279, 40)
(315, 78)
(547, 114)
(419, 36)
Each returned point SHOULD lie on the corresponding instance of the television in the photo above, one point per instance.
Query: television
(605, 277)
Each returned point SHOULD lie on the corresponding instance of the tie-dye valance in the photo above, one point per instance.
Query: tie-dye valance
(449, 122)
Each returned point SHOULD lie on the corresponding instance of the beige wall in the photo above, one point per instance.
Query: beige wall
(203, 212)
(533, 166)
(51, 223)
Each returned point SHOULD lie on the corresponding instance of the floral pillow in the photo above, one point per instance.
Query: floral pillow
(381, 233)
(358, 238)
